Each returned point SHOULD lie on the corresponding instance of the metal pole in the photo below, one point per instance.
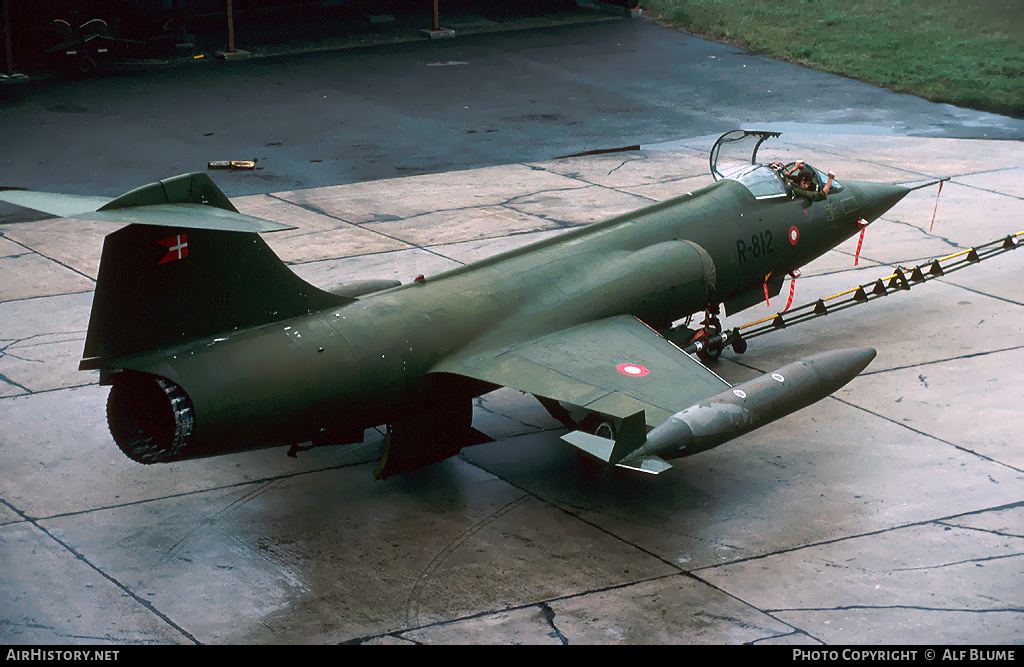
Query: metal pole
(231, 30)
(7, 41)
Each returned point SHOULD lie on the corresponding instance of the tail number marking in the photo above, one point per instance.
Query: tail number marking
(760, 245)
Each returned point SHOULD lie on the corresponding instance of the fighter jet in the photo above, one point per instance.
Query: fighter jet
(212, 345)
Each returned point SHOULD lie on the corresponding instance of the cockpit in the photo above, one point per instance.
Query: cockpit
(734, 156)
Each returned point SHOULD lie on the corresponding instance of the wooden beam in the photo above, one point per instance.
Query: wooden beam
(7, 41)
(231, 29)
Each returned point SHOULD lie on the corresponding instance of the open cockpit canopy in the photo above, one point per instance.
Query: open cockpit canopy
(735, 149)
(734, 156)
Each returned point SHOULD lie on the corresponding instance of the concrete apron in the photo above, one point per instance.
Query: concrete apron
(888, 513)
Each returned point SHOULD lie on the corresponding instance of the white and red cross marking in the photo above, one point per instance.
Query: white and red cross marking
(177, 248)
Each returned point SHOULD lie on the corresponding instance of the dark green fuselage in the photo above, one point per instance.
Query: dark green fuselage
(369, 362)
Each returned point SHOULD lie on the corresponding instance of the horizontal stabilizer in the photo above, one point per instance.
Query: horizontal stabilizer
(190, 201)
(188, 216)
(65, 206)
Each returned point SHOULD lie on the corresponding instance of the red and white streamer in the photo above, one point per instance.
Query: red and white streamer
(860, 244)
(936, 206)
(793, 275)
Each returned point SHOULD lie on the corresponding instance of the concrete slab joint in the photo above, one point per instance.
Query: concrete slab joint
(889, 513)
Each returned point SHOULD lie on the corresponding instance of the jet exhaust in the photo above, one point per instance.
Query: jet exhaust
(150, 418)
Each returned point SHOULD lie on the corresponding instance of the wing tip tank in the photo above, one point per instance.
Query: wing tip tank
(728, 414)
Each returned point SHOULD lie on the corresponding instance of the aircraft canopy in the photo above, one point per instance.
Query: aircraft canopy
(734, 156)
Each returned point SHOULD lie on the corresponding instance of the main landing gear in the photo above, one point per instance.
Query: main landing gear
(709, 340)
(710, 347)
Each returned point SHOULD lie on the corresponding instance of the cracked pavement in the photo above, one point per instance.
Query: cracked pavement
(889, 513)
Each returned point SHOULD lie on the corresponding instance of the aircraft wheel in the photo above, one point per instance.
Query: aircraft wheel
(709, 354)
(711, 329)
(599, 425)
(84, 65)
(606, 430)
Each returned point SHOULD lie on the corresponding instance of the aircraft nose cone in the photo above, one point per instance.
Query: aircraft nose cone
(877, 198)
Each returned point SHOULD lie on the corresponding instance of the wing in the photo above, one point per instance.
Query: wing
(620, 367)
(616, 366)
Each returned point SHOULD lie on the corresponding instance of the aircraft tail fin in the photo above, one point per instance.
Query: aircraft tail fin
(188, 266)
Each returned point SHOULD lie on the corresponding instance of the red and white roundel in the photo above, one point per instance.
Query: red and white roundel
(794, 235)
(633, 370)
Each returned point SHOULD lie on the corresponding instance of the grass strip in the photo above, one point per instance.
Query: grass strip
(969, 54)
